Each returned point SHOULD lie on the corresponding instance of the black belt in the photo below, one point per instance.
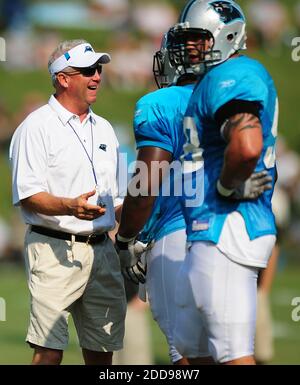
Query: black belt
(91, 239)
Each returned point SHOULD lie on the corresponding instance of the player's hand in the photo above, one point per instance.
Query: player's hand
(130, 251)
(254, 186)
(251, 189)
(81, 209)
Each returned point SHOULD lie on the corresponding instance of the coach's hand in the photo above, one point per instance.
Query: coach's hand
(130, 251)
(81, 209)
(251, 189)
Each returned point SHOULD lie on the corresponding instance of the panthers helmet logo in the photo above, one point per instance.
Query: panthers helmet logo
(227, 11)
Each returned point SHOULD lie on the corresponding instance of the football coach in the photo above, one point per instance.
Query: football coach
(64, 174)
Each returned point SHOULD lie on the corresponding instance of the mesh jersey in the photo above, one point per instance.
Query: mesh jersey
(239, 78)
(158, 123)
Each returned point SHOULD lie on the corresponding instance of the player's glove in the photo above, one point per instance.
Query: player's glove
(251, 189)
(130, 251)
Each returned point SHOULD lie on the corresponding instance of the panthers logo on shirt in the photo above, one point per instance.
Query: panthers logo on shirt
(227, 11)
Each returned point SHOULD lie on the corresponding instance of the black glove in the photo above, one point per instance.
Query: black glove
(251, 189)
(130, 251)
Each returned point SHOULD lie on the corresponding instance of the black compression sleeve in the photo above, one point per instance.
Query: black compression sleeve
(234, 107)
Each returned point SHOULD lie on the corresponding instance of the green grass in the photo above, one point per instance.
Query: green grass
(13, 349)
(287, 342)
(285, 73)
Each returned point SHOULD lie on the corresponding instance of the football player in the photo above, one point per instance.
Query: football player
(231, 126)
(159, 139)
(159, 135)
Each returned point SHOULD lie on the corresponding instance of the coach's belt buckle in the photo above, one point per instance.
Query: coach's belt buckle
(90, 237)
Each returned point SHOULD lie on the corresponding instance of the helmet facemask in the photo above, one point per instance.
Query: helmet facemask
(161, 75)
(165, 73)
(192, 48)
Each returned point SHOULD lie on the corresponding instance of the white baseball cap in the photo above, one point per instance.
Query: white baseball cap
(83, 55)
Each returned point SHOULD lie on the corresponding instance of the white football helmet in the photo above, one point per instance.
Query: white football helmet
(220, 23)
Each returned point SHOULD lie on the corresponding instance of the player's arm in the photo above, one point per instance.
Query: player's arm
(241, 129)
(244, 136)
(137, 209)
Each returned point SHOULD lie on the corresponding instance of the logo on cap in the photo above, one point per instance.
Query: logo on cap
(88, 48)
(67, 56)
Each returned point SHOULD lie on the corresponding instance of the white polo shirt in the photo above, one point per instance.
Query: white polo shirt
(47, 156)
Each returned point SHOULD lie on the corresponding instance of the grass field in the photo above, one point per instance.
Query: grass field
(13, 349)
(118, 106)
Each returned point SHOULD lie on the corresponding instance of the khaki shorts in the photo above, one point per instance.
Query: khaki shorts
(74, 278)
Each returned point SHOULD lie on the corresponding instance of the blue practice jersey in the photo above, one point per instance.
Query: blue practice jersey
(239, 78)
(158, 122)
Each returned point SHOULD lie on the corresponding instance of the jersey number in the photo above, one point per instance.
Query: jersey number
(270, 155)
(192, 157)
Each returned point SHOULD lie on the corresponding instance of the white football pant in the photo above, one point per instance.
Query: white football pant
(216, 300)
(163, 263)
